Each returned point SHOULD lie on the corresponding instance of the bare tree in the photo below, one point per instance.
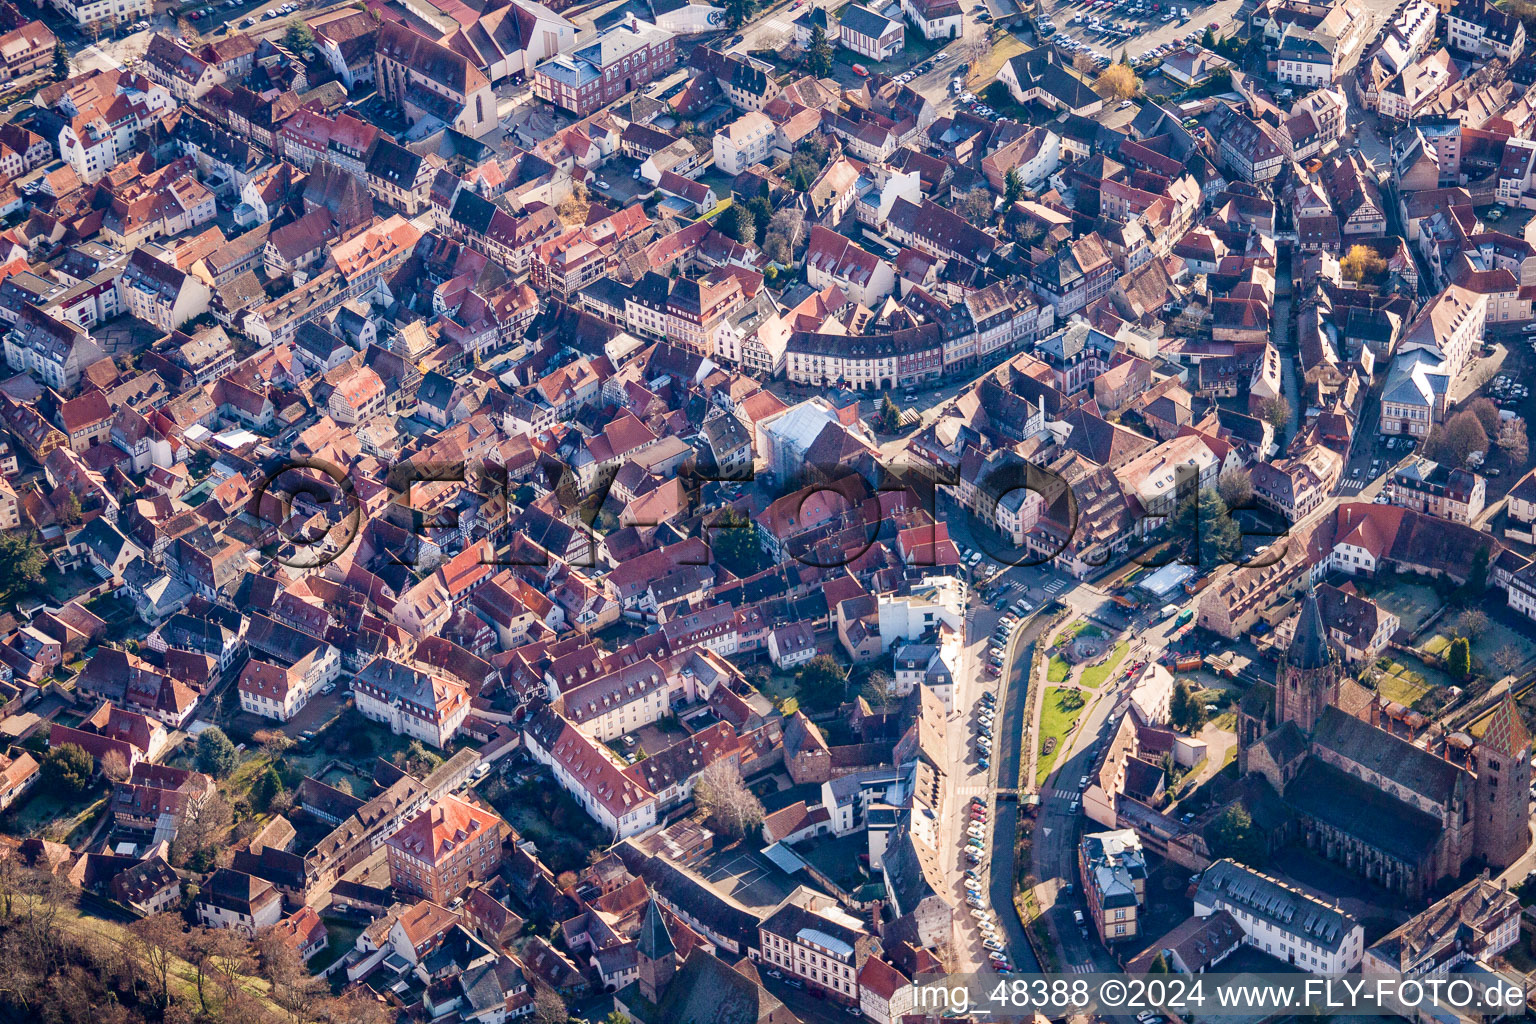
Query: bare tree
(789, 222)
(198, 948)
(1472, 623)
(230, 959)
(1508, 658)
(772, 38)
(114, 766)
(359, 1006)
(203, 826)
(1513, 439)
(293, 987)
(39, 899)
(548, 1007)
(13, 875)
(976, 44)
(572, 210)
(159, 936)
(1457, 440)
(1235, 487)
(273, 743)
(880, 688)
(243, 1008)
(1277, 410)
(722, 794)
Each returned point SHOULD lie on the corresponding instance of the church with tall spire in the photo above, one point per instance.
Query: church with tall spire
(1399, 813)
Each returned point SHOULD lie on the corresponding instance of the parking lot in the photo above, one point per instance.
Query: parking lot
(254, 18)
(1147, 30)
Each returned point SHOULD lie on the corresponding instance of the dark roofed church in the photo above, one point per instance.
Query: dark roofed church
(1401, 815)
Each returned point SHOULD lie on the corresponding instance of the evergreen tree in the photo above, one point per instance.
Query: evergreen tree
(736, 221)
(818, 55)
(268, 785)
(60, 60)
(761, 210)
(1477, 576)
(1205, 530)
(1458, 659)
(299, 36)
(215, 754)
(821, 682)
(1178, 705)
(738, 11)
(21, 561)
(1013, 187)
(733, 543)
(68, 767)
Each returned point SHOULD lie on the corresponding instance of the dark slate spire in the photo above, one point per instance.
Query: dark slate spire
(1309, 647)
(654, 941)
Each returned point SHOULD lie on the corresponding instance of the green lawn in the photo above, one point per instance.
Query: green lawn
(1058, 669)
(1082, 627)
(1485, 645)
(1402, 685)
(1094, 675)
(1057, 716)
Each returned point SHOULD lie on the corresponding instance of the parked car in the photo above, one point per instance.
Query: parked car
(861, 70)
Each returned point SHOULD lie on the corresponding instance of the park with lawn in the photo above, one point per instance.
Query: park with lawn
(1083, 649)
(1062, 707)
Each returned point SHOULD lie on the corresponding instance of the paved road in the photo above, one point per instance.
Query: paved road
(966, 778)
(1055, 847)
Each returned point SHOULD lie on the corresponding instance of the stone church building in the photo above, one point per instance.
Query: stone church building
(1401, 815)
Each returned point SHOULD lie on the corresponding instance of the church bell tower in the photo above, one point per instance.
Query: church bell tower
(655, 955)
(1310, 671)
(1502, 825)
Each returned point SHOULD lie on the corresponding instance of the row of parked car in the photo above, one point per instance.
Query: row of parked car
(975, 898)
(986, 706)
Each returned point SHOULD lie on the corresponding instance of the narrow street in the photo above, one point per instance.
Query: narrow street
(1281, 335)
